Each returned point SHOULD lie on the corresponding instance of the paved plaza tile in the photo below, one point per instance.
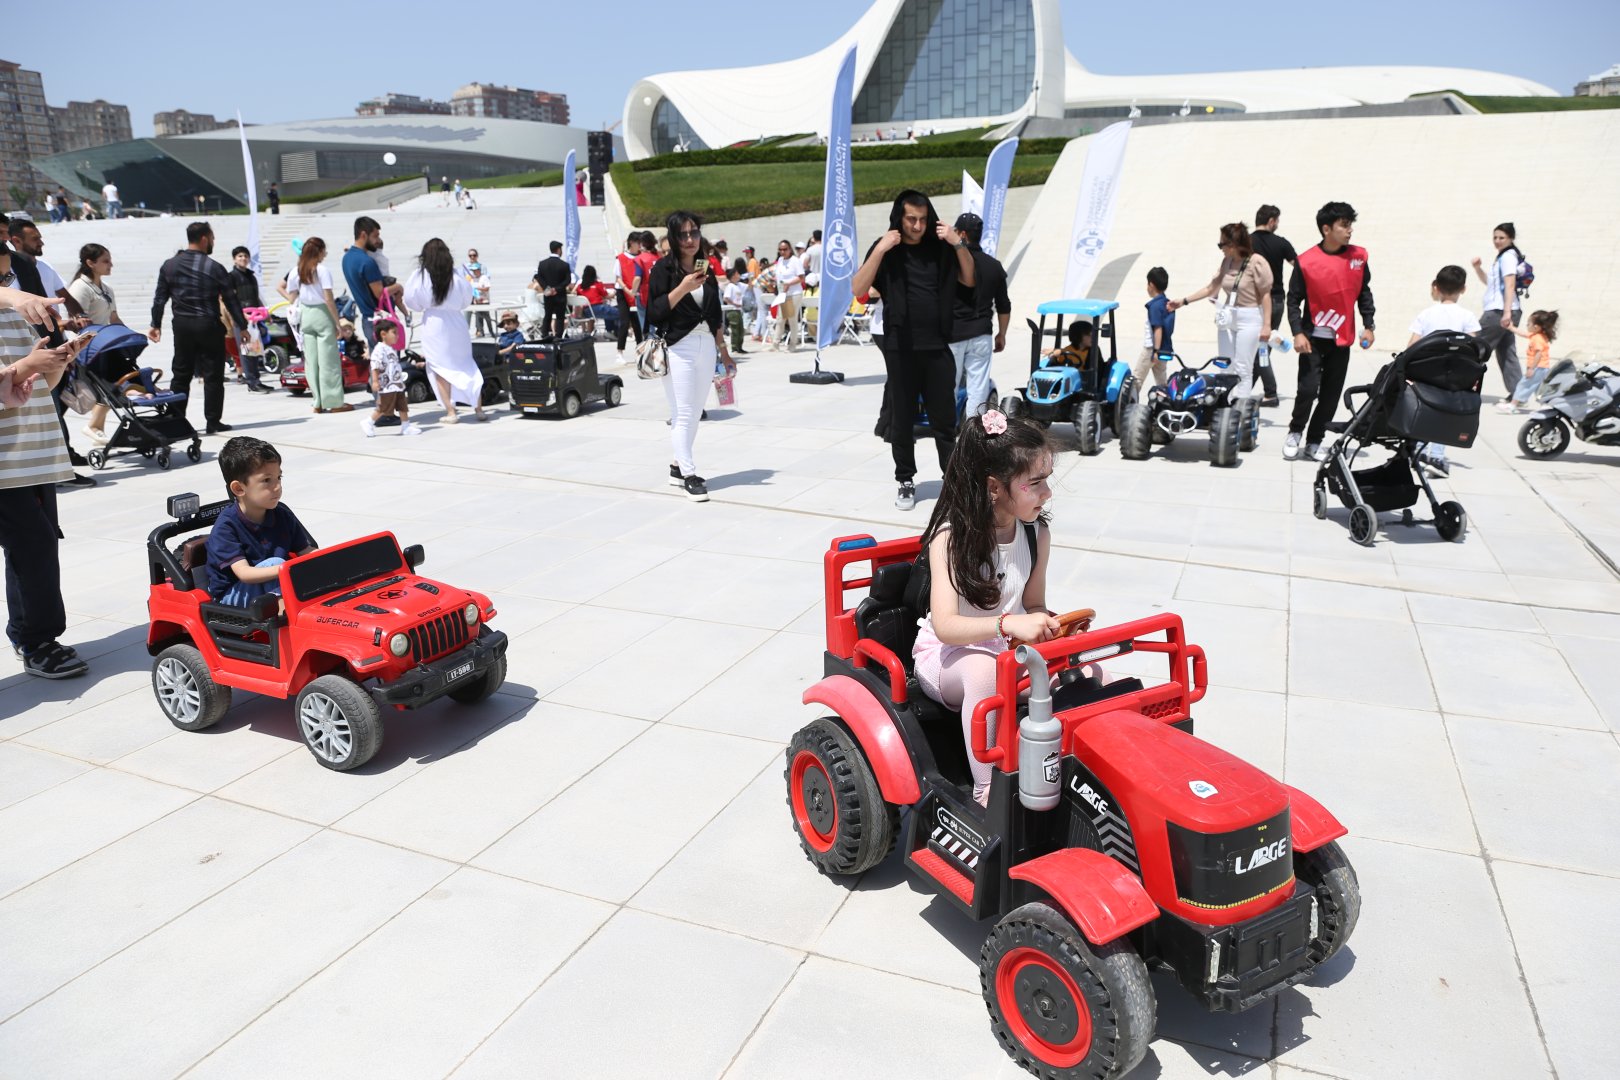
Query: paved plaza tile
(593, 873)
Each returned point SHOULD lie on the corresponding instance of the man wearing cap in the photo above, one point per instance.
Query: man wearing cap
(971, 340)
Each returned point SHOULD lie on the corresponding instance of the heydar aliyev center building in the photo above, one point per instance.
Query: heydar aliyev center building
(968, 63)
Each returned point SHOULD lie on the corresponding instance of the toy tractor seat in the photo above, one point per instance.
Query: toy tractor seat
(889, 617)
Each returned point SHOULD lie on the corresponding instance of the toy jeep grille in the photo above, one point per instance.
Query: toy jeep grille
(433, 639)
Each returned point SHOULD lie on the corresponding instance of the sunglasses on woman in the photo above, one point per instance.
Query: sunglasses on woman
(689, 234)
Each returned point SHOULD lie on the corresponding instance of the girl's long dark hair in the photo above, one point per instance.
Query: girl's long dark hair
(587, 277)
(1546, 322)
(309, 257)
(440, 267)
(964, 500)
(677, 223)
(88, 254)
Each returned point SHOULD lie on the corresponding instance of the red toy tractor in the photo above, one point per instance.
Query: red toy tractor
(1114, 839)
(361, 632)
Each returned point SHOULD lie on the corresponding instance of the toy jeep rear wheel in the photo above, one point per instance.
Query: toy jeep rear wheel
(417, 391)
(186, 692)
(339, 723)
(1136, 440)
(481, 688)
(1061, 1007)
(844, 825)
(1338, 898)
(570, 405)
(1088, 427)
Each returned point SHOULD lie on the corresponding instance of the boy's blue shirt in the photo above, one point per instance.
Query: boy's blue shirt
(1160, 317)
(279, 535)
(511, 337)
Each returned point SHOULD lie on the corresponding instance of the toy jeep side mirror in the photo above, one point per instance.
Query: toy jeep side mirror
(415, 556)
(265, 607)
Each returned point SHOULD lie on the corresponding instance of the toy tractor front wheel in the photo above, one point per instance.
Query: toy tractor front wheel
(1338, 898)
(1136, 438)
(1061, 1007)
(339, 723)
(186, 691)
(844, 825)
(1088, 427)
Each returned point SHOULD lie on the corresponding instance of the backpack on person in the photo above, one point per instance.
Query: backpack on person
(1524, 277)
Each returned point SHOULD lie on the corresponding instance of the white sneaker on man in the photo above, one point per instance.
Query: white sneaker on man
(1291, 446)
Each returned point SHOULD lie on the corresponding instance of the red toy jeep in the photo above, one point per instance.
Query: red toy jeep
(1114, 839)
(360, 632)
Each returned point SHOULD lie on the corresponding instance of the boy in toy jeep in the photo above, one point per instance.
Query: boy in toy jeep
(988, 543)
(1077, 353)
(256, 535)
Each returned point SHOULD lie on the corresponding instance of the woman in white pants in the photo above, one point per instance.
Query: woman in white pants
(1244, 286)
(683, 305)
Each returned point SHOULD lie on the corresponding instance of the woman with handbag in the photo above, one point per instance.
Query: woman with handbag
(1244, 308)
(683, 316)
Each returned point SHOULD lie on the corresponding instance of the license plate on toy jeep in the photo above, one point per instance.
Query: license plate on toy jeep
(456, 673)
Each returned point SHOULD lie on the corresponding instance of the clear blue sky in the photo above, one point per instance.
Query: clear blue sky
(275, 64)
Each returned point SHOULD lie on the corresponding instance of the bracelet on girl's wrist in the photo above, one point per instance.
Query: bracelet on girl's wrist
(999, 631)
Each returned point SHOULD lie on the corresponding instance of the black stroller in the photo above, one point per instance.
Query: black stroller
(1427, 394)
(147, 425)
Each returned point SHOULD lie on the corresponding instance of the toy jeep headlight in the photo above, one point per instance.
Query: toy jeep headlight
(399, 644)
(470, 612)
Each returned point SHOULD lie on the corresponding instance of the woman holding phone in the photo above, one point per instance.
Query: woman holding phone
(684, 308)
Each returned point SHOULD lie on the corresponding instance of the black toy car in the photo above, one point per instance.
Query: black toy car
(560, 378)
(497, 375)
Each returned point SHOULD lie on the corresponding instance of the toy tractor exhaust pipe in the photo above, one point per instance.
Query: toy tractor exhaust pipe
(1040, 753)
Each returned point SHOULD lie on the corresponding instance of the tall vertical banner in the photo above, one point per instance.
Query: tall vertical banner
(570, 215)
(1094, 213)
(252, 198)
(839, 253)
(972, 195)
(997, 177)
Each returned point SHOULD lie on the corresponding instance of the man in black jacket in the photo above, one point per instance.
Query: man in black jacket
(1276, 251)
(197, 284)
(917, 266)
(973, 339)
(553, 275)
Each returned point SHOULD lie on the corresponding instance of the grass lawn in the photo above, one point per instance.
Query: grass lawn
(725, 192)
(1539, 104)
(540, 178)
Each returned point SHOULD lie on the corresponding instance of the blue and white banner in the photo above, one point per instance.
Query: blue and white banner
(997, 176)
(570, 215)
(839, 253)
(1094, 211)
(252, 198)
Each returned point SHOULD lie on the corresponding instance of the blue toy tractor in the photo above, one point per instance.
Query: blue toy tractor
(1191, 400)
(1087, 397)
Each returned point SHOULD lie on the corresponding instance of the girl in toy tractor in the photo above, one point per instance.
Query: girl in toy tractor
(989, 545)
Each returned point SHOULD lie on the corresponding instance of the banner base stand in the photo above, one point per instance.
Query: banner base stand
(816, 377)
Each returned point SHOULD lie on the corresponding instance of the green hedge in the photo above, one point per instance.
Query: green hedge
(645, 213)
(772, 155)
(1486, 104)
(538, 178)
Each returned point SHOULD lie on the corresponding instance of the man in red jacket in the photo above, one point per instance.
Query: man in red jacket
(1329, 280)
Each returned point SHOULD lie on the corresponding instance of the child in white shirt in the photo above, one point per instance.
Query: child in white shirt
(388, 381)
(1445, 314)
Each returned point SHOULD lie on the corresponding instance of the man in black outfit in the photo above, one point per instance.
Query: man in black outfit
(197, 284)
(553, 275)
(917, 266)
(275, 198)
(1276, 251)
(246, 284)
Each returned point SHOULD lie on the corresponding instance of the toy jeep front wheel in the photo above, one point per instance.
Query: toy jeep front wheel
(479, 689)
(339, 723)
(1338, 898)
(1061, 1007)
(186, 692)
(844, 825)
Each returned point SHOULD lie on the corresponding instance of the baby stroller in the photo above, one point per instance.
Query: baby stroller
(147, 425)
(1427, 394)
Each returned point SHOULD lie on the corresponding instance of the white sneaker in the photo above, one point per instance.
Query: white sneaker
(1315, 452)
(1506, 407)
(1291, 446)
(451, 418)
(95, 435)
(410, 427)
(368, 426)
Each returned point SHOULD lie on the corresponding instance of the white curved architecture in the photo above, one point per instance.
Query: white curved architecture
(971, 63)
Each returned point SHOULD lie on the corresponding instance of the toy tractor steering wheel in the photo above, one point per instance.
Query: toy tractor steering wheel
(1069, 624)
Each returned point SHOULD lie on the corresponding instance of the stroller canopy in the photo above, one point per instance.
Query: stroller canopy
(109, 338)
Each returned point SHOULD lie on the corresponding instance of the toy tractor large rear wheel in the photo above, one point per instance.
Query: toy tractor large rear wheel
(186, 691)
(1063, 1008)
(1012, 405)
(844, 825)
(339, 723)
(1088, 427)
(1136, 438)
(1338, 898)
(1128, 391)
(1224, 436)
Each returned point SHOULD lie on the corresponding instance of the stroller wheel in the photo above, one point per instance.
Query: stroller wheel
(1319, 502)
(97, 458)
(194, 452)
(1363, 525)
(162, 457)
(1451, 521)
(147, 451)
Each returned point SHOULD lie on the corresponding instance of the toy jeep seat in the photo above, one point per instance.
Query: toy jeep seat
(194, 560)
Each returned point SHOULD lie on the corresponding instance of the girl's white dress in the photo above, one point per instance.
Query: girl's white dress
(446, 345)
